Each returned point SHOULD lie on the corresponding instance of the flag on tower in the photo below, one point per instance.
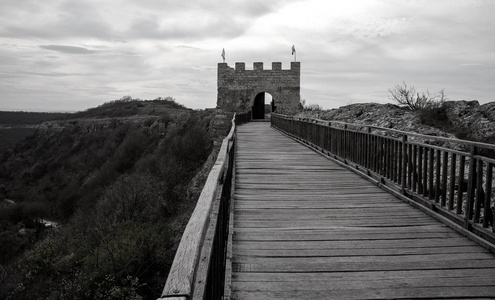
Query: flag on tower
(293, 49)
(223, 54)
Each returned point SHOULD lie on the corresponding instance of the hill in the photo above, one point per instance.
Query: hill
(17, 125)
(121, 180)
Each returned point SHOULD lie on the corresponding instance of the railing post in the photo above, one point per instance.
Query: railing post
(453, 161)
(437, 175)
(488, 196)
(471, 187)
(445, 163)
(405, 159)
(460, 182)
(479, 192)
(420, 164)
(431, 164)
(413, 173)
(425, 172)
(368, 148)
(346, 146)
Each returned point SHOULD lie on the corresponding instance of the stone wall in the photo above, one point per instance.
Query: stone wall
(237, 88)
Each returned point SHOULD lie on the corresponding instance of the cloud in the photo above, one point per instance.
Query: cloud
(67, 49)
(350, 51)
(188, 47)
(169, 19)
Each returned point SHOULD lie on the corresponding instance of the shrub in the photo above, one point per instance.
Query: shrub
(309, 107)
(435, 116)
(11, 244)
(131, 197)
(407, 96)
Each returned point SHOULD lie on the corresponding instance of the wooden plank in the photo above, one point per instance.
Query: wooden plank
(329, 235)
(241, 251)
(355, 263)
(356, 276)
(353, 244)
(370, 293)
(351, 196)
(311, 213)
(484, 259)
(358, 284)
(276, 204)
(315, 201)
(322, 223)
(352, 231)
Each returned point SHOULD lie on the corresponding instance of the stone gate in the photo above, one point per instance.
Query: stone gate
(242, 90)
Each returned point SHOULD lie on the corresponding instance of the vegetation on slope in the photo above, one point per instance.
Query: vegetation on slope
(127, 106)
(118, 178)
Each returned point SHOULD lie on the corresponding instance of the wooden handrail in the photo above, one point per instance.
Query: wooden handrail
(364, 127)
(195, 271)
(455, 185)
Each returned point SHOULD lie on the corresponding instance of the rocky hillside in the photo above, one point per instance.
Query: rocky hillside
(461, 119)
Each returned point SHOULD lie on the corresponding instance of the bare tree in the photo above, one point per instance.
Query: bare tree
(303, 105)
(407, 96)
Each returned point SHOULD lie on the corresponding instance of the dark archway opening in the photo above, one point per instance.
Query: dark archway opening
(260, 107)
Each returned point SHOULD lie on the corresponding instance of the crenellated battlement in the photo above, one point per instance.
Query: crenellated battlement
(258, 66)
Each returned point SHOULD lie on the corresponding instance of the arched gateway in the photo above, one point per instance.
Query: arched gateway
(242, 90)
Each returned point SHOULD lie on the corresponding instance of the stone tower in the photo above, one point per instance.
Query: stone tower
(242, 90)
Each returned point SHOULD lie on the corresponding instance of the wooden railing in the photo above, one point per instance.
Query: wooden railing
(198, 269)
(242, 118)
(453, 184)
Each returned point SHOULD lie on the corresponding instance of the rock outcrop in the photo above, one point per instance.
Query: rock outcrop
(462, 119)
(479, 120)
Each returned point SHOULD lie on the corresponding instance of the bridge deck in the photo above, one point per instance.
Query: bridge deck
(306, 228)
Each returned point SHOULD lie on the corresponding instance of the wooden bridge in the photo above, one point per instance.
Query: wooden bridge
(339, 211)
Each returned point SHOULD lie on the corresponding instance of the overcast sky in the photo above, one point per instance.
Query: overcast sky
(69, 55)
